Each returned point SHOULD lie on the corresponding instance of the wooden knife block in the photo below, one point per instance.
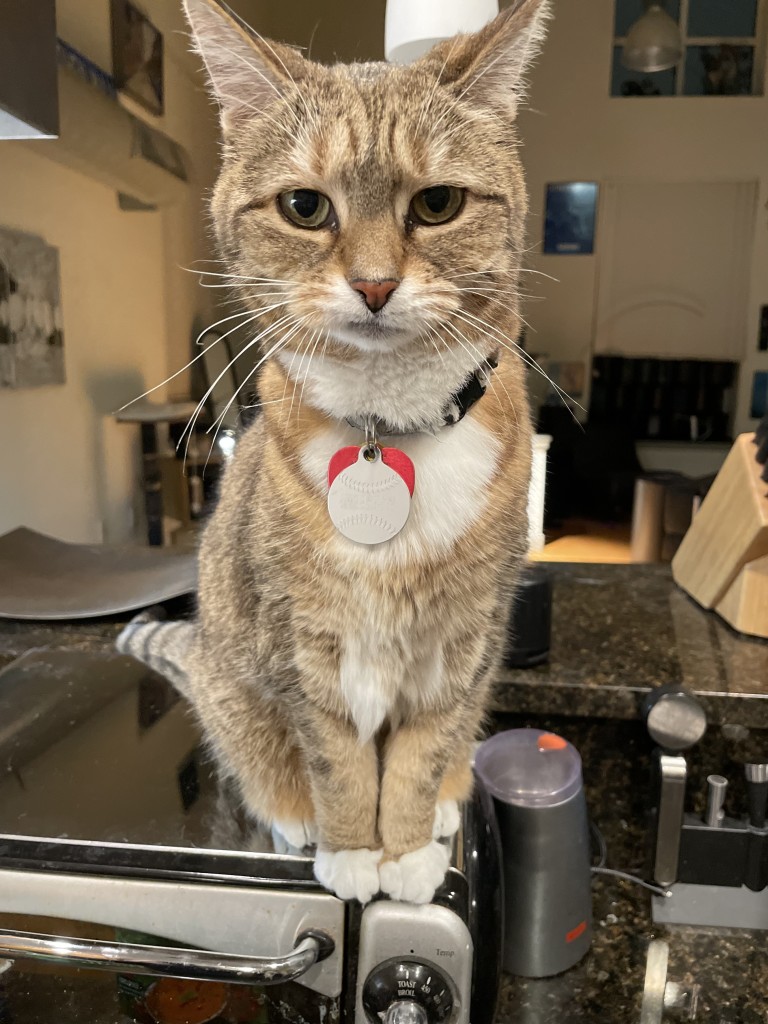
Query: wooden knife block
(723, 559)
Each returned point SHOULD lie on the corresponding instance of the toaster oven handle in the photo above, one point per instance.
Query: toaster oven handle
(166, 961)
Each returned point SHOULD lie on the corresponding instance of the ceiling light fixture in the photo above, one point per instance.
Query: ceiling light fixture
(653, 43)
(414, 26)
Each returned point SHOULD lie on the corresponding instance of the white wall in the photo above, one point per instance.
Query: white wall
(66, 468)
(577, 131)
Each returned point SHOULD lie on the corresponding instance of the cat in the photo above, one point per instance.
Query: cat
(376, 212)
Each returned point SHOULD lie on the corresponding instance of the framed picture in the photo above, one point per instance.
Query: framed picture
(570, 212)
(759, 404)
(137, 56)
(31, 334)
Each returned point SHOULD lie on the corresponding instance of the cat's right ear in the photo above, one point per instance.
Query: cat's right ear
(247, 73)
(489, 67)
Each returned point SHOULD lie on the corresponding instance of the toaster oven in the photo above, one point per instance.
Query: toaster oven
(133, 888)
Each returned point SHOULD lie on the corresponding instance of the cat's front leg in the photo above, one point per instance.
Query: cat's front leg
(456, 787)
(419, 760)
(344, 776)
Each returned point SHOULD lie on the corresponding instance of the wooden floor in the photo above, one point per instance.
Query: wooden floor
(582, 540)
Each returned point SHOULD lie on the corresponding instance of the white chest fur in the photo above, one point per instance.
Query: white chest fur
(453, 472)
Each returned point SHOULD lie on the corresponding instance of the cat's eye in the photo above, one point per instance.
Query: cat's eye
(306, 208)
(437, 204)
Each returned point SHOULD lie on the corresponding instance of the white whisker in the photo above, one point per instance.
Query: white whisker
(516, 349)
(193, 419)
(205, 330)
(283, 341)
(306, 372)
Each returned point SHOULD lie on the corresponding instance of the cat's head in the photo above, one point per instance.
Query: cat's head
(381, 206)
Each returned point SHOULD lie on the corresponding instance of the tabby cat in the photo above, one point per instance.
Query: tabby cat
(372, 216)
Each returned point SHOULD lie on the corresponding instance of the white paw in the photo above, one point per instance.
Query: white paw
(351, 874)
(415, 876)
(447, 819)
(293, 834)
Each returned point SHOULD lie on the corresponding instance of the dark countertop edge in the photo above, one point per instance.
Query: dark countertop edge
(616, 703)
(613, 689)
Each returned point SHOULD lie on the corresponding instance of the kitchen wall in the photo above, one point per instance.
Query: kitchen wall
(576, 131)
(66, 468)
(330, 30)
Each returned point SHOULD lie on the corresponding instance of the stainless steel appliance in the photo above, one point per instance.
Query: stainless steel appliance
(536, 781)
(124, 864)
(714, 866)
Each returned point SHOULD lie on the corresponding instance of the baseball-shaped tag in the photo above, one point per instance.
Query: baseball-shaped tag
(369, 500)
(391, 457)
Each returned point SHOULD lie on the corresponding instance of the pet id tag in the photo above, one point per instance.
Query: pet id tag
(369, 494)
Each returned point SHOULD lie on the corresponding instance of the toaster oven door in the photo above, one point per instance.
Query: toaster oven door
(106, 949)
(132, 886)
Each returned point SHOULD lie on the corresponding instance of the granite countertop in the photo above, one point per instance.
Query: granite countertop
(618, 631)
(17, 637)
(730, 966)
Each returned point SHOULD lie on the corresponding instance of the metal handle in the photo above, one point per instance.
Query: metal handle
(661, 997)
(165, 961)
(757, 793)
(716, 787)
(669, 824)
(652, 1010)
(674, 718)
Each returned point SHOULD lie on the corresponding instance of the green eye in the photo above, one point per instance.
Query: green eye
(437, 204)
(306, 208)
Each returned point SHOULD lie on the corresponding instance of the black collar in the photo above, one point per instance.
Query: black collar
(455, 409)
(460, 403)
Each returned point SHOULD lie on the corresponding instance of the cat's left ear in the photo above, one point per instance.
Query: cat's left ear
(488, 68)
(247, 73)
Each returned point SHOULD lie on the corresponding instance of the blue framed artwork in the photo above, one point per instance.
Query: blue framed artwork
(759, 404)
(569, 224)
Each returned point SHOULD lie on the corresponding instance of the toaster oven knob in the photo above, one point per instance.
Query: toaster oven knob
(405, 1011)
(407, 992)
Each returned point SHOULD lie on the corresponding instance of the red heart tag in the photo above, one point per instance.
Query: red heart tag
(392, 457)
(401, 464)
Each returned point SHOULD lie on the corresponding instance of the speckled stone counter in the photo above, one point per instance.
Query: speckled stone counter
(617, 632)
(89, 635)
(729, 966)
(17, 636)
(620, 630)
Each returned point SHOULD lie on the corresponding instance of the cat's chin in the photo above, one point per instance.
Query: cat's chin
(372, 337)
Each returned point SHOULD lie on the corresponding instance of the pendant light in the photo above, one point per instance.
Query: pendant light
(413, 26)
(653, 43)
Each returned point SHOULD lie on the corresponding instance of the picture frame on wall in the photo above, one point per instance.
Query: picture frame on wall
(570, 217)
(759, 402)
(31, 322)
(137, 56)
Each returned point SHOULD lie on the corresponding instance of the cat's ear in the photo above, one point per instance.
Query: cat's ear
(488, 68)
(247, 73)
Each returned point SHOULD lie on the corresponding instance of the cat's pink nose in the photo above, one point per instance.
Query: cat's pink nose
(375, 293)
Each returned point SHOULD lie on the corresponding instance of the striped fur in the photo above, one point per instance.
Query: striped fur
(163, 646)
(342, 687)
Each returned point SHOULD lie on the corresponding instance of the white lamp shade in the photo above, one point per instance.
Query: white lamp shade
(653, 43)
(414, 26)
